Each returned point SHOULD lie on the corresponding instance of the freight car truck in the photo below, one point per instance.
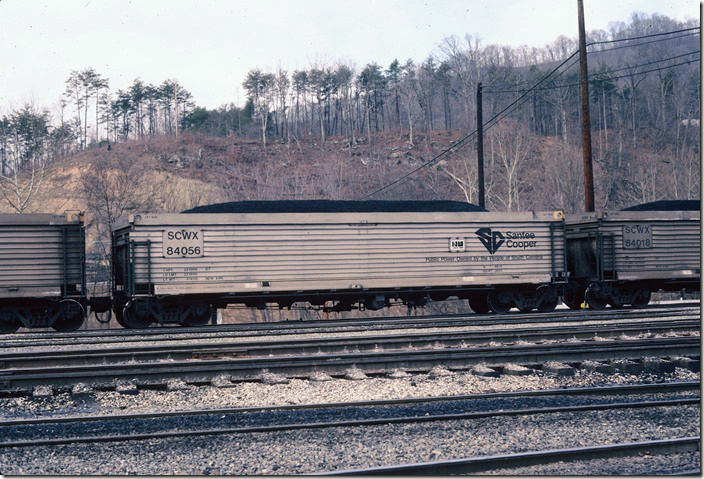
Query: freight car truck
(176, 268)
(42, 271)
(620, 257)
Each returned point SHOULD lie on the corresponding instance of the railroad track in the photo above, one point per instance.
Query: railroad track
(201, 350)
(474, 465)
(168, 333)
(71, 437)
(241, 369)
(163, 425)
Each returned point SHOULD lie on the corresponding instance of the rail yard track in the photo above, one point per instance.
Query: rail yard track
(510, 462)
(119, 353)
(488, 431)
(134, 428)
(243, 368)
(34, 338)
(198, 357)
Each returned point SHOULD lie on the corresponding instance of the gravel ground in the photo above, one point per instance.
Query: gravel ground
(309, 451)
(645, 465)
(294, 452)
(298, 391)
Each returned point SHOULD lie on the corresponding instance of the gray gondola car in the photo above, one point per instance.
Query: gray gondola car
(620, 257)
(42, 271)
(175, 268)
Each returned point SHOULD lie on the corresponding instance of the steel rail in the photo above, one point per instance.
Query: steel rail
(151, 352)
(350, 325)
(202, 371)
(351, 423)
(198, 334)
(633, 389)
(478, 464)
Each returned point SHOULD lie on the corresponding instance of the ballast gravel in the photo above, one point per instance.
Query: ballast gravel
(637, 465)
(318, 388)
(339, 448)
(294, 452)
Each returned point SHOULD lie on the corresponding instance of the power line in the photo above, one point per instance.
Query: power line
(616, 48)
(467, 137)
(515, 103)
(568, 85)
(639, 44)
(651, 35)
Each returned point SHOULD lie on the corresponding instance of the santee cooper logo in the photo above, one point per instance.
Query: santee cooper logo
(493, 240)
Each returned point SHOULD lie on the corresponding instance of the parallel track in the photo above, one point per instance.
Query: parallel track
(238, 369)
(473, 465)
(632, 389)
(93, 337)
(50, 436)
(201, 350)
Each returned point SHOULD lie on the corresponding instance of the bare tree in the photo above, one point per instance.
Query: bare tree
(259, 86)
(512, 146)
(25, 151)
(409, 93)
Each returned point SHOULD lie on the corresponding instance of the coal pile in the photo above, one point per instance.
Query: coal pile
(333, 206)
(668, 205)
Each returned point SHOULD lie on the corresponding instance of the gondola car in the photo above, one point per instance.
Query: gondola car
(42, 271)
(337, 255)
(620, 257)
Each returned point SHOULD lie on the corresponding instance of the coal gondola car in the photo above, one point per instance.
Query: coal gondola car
(337, 255)
(620, 257)
(42, 271)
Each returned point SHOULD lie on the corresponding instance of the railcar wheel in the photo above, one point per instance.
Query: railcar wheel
(8, 323)
(548, 305)
(573, 299)
(137, 315)
(615, 304)
(478, 304)
(198, 315)
(641, 298)
(119, 316)
(499, 302)
(71, 317)
(68, 322)
(549, 299)
(595, 300)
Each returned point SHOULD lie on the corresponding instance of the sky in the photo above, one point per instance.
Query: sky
(210, 45)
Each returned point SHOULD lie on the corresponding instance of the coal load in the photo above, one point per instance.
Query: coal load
(667, 205)
(335, 206)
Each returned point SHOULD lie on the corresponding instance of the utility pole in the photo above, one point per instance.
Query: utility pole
(586, 128)
(480, 146)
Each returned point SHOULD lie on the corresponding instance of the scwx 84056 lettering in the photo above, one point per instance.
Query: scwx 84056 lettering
(182, 243)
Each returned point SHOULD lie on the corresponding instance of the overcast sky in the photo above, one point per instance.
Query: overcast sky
(209, 45)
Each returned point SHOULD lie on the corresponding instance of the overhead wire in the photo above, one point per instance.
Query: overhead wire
(637, 44)
(514, 105)
(650, 35)
(625, 46)
(462, 140)
(569, 85)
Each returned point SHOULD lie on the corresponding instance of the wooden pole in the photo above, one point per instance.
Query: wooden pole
(480, 146)
(586, 129)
